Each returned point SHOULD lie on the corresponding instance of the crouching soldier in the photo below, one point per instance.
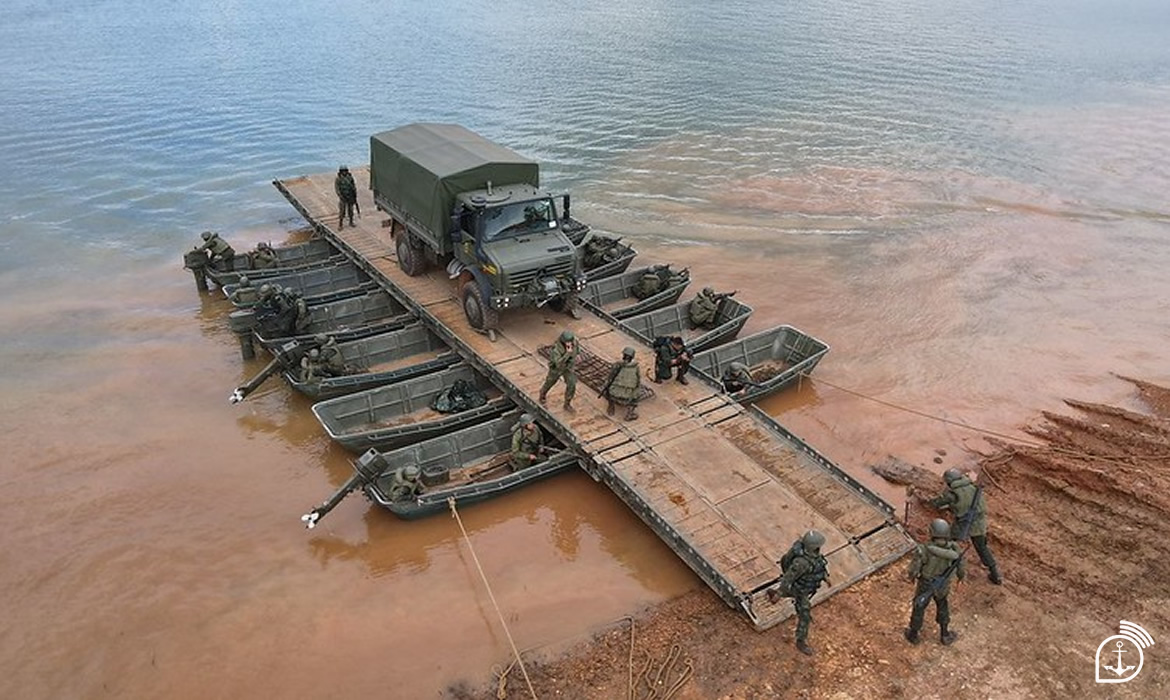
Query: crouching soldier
(934, 565)
(624, 385)
(805, 568)
(218, 250)
(669, 354)
(405, 484)
(245, 294)
(737, 377)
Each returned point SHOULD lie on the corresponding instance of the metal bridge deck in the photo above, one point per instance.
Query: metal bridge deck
(726, 487)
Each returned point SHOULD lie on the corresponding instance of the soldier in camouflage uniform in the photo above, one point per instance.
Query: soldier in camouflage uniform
(562, 361)
(669, 354)
(966, 502)
(703, 309)
(737, 377)
(527, 443)
(405, 484)
(805, 568)
(245, 293)
(217, 249)
(933, 566)
(311, 370)
(331, 361)
(264, 257)
(346, 190)
(624, 385)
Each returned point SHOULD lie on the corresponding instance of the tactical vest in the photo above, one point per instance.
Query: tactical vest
(702, 310)
(648, 286)
(560, 358)
(818, 569)
(245, 295)
(525, 443)
(219, 246)
(933, 558)
(626, 384)
(967, 506)
(401, 488)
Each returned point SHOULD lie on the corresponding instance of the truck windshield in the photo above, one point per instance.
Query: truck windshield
(518, 219)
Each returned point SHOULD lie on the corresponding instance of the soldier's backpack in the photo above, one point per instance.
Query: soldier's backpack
(460, 396)
(793, 552)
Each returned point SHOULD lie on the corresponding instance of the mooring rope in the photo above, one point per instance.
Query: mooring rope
(499, 614)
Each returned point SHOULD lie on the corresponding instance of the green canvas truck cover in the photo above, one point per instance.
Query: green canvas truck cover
(422, 167)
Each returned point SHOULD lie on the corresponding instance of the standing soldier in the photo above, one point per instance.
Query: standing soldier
(527, 443)
(933, 566)
(300, 312)
(346, 191)
(670, 353)
(562, 361)
(805, 568)
(624, 385)
(965, 501)
(217, 249)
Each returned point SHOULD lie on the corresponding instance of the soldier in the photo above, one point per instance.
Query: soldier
(245, 294)
(965, 501)
(311, 369)
(737, 377)
(332, 363)
(805, 568)
(267, 303)
(405, 484)
(670, 353)
(704, 308)
(624, 385)
(264, 257)
(300, 312)
(933, 566)
(562, 361)
(346, 191)
(527, 443)
(654, 280)
(217, 249)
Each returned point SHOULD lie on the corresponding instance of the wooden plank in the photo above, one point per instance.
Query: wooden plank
(713, 467)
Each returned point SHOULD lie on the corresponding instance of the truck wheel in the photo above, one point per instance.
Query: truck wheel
(410, 258)
(479, 313)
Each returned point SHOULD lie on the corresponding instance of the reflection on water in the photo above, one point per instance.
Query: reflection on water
(968, 206)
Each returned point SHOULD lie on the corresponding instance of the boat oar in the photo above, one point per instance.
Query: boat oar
(367, 468)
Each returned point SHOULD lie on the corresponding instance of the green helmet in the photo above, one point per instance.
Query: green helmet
(410, 473)
(207, 235)
(940, 528)
(708, 292)
(321, 338)
(737, 367)
(627, 353)
(266, 290)
(567, 336)
(343, 169)
(952, 475)
(812, 540)
(526, 419)
(277, 289)
(244, 281)
(314, 354)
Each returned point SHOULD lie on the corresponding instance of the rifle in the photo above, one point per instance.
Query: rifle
(725, 295)
(605, 389)
(953, 566)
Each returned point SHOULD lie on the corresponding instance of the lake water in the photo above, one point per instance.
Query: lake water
(966, 201)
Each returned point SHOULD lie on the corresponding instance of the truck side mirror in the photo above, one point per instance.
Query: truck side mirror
(565, 202)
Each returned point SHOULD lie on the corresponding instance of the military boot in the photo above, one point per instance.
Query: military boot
(803, 647)
(994, 577)
(911, 635)
(543, 398)
(567, 406)
(609, 408)
(946, 636)
(631, 413)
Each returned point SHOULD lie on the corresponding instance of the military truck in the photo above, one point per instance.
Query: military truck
(458, 200)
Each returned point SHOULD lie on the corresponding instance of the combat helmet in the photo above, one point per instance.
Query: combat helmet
(952, 475)
(627, 353)
(708, 291)
(321, 338)
(567, 336)
(410, 473)
(737, 366)
(244, 281)
(526, 419)
(266, 290)
(314, 354)
(940, 529)
(812, 540)
(343, 169)
(207, 235)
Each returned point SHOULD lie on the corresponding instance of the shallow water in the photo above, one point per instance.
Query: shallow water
(966, 202)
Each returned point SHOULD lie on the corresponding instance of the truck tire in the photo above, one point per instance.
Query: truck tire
(410, 258)
(477, 309)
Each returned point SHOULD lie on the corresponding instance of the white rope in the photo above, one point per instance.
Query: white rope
(483, 577)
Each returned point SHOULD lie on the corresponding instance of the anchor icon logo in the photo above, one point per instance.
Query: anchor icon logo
(1127, 646)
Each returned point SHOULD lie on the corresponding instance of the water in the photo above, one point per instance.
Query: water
(965, 201)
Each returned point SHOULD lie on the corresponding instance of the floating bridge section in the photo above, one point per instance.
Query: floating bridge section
(725, 486)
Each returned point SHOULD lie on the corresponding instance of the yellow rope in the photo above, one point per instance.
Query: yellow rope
(483, 577)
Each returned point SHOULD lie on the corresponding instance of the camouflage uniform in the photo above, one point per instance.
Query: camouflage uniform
(526, 443)
(562, 361)
(405, 484)
(218, 249)
(805, 568)
(624, 385)
(346, 190)
(960, 499)
(264, 257)
(933, 566)
(670, 353)
(245, 294)
(736, 378)
(331, 361)
(703, 309)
